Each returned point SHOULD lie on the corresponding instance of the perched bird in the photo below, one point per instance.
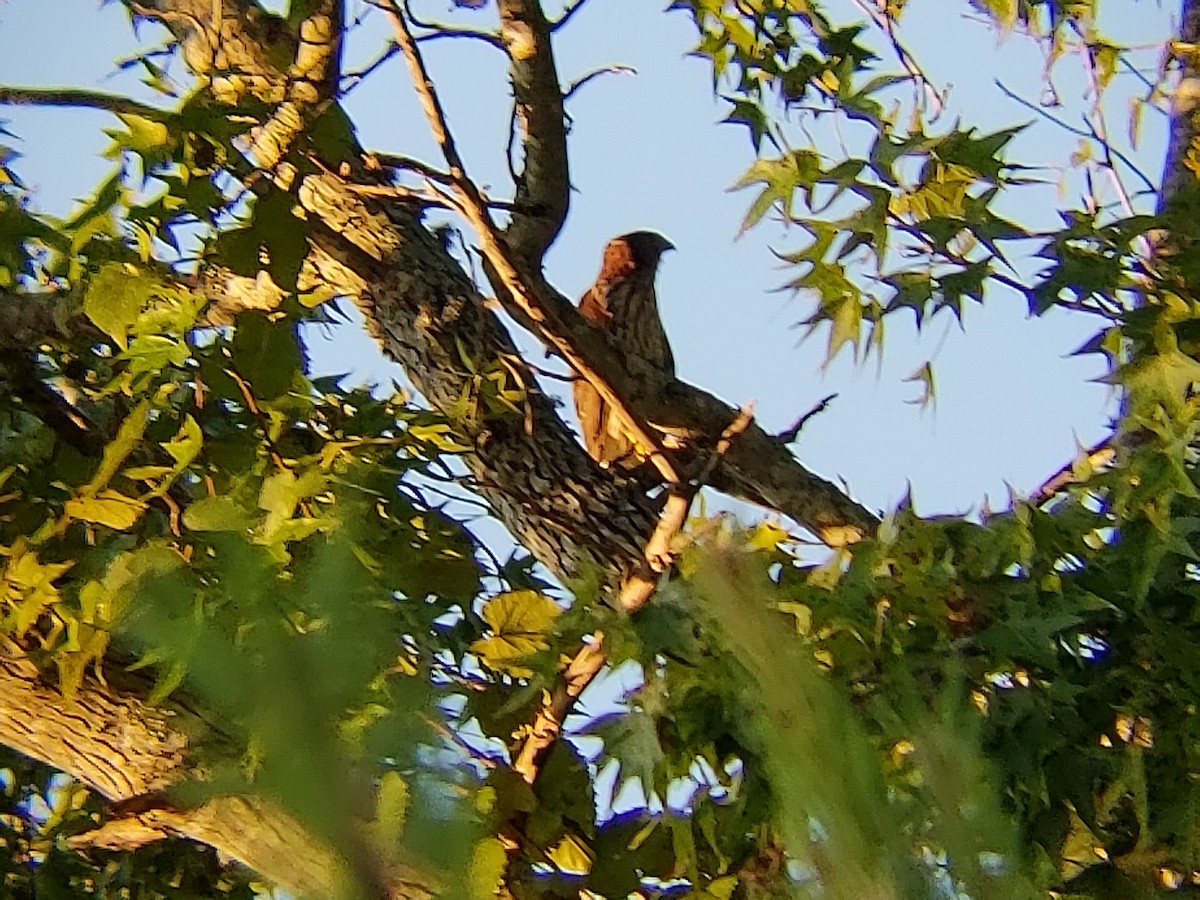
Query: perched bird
(622, 301)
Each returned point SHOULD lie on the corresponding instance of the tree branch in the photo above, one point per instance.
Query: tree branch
(587, 663)
(1179, 181)
(80, 99)
(499, 256)
(544, 183)
(111, 740)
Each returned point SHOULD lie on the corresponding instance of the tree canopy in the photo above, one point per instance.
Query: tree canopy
(249, 641)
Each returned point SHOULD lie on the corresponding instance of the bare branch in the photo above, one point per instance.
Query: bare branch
(591, 76)
(1076, 130)
(568, 12)
(882, 16)
(1097, 457)
(659, 554)
(547, 725)
(111, 740)
(407, 163)
(789, 435)
(351, 80)
(442, 29)
(81, 99)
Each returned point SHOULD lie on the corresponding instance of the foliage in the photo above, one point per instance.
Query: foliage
(998, 708)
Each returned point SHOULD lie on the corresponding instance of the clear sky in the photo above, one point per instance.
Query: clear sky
(648, 152)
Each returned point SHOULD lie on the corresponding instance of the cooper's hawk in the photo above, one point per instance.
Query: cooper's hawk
(622, 301)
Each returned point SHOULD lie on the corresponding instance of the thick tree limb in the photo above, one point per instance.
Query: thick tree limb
(544, 182)
(499, 255)
(1179, 195)
(564, 331)
(238, 50)
(113, 742)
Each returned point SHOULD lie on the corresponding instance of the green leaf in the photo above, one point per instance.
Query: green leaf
(152, 140)
(332, 136)
(184, 447)
(750, 114)
(799, 170)
(1003, 11)
(283, 491)
(632, 738)
(27, 587)
(391, 807)
(266, 354)
(115, 297)
(129, 437)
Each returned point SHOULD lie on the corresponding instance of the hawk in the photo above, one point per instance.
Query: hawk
(623, 303)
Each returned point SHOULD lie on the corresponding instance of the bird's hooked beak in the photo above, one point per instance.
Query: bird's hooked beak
(661, 245)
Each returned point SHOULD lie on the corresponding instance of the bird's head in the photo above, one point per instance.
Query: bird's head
(646, 247)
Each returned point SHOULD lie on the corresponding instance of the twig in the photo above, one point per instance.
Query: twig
(396, 161)
(788, 435)
(659, 553)
(468, 33)
(351, 80)
(73, 97)
(441, 29)
(568, 11)
(547, 725)
(557, 376)
(1099, 128)
(511, 144)
(882, 18)
(1098, 456)
(590, 76)
(263, 423)
(452, 737)
(432, 105)
(1072, 129)
(393, 161)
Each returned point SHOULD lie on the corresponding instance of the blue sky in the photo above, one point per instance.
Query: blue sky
(648, 151)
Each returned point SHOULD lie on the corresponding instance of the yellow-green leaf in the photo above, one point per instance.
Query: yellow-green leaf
(488, 864)
(391, 806)
(216, 514)
(108, 508)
